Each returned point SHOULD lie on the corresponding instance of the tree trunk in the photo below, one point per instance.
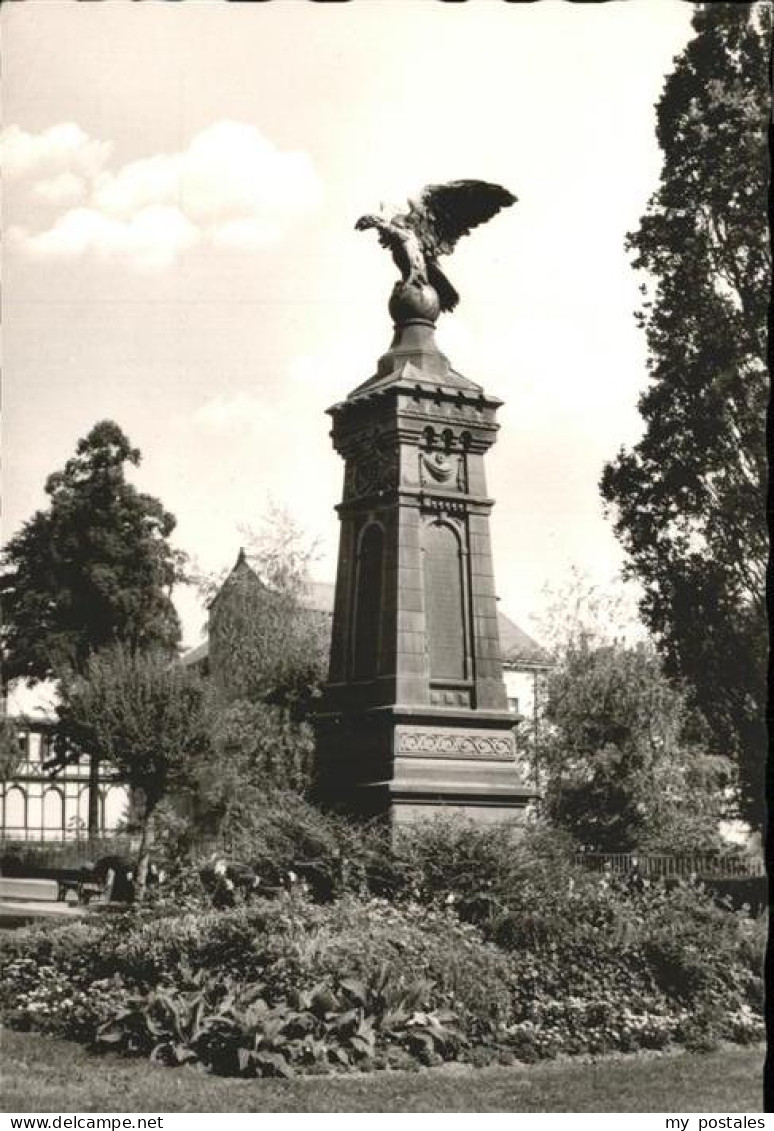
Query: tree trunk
(143, 857)
(93, 816)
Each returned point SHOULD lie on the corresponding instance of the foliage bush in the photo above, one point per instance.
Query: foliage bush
(398, 981)
(25, 858)
(621, 968)
(234, 1031)
(286, 834)
(446, 860)
(485, 949)
(578, 945)
(260, 748)
(627, 760)
(280, 841)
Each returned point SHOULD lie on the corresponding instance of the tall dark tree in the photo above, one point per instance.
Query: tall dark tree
(93, 569)
(688, 500)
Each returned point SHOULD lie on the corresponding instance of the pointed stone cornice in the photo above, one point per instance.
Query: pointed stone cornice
(414, 358)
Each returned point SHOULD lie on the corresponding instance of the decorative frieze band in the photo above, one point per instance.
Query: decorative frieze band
(444, 506)
(425, 742)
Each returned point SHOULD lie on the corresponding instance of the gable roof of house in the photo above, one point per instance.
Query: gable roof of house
(196, 655)
(518, 647)
(519, 650)
(243, 569)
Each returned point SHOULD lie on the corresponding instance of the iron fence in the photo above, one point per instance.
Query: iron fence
(703, 866)
(51, 834)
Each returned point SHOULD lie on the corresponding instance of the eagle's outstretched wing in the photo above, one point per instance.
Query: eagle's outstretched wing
(443, 213)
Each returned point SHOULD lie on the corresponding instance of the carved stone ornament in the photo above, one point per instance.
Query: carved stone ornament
(442, 470)
(371, 474)
(448, 508)
(437, 467)
(454, 744)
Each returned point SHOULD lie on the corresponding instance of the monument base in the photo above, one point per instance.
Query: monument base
(405, 814)
(407, 764)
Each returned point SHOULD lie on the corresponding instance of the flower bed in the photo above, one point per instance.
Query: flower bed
(359, 983)
(485, 951)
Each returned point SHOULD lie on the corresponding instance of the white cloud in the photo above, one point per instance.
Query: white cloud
(63, 189)
(246, 235)
(239, 413)
(151, 239)
(65, 146)
(230, 187)
(152, 180)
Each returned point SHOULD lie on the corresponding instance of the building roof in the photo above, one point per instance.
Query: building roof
(244, 567)
(196, 655)
(519, 650)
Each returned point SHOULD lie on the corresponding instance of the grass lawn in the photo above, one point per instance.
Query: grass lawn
(42, 1074)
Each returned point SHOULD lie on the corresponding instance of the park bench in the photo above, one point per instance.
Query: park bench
(96, 891)
(17, 889)
(26, 900)
(29, 890)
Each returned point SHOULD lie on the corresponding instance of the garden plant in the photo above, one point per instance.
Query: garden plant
(331, 947)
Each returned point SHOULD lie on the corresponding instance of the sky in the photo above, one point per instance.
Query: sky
(180, 187)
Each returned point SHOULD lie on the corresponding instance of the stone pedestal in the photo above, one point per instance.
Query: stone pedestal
(414, 714)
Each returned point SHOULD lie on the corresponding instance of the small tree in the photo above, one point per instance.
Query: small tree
(267, 656)
(145, 715)
(627, 760)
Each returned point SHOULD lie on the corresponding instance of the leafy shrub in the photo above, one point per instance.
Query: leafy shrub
(393, 989)
(260, 747)
(446, 860)
(279, 837)
(481, 868)
(53, 999)
(30, 859)
(234, 1030)
(289, 835)
(290, 938)
(696, 949)
(497, 948)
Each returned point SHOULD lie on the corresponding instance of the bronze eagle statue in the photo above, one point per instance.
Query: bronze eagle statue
(435, 220)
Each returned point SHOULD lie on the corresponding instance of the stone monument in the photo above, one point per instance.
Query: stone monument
(414, 715)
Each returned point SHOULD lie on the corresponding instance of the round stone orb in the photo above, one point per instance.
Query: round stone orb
(409, 302)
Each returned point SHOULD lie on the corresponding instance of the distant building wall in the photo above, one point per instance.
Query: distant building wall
(521, 687)
(36, 806)
(525, 663)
